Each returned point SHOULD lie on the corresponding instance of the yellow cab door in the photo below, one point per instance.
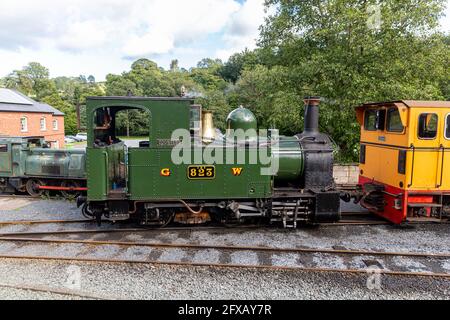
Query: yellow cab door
(444, 165)
(426, 149)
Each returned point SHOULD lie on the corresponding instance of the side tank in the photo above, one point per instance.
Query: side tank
(55, 163)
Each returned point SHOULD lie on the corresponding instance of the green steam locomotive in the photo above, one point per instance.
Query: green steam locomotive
(27, 164)
(189, 172)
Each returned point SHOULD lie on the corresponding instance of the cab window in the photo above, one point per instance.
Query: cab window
(370, 120)
(374, 120)
(394, 121)
(447, 127)
(3, 148)
(428, 125)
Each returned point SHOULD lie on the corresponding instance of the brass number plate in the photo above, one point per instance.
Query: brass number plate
(201, 172)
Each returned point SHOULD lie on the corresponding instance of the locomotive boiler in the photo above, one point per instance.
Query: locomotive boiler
(191, 173)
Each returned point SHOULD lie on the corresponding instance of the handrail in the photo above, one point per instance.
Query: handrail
(106, 171)
(442, 166)
(412, 167)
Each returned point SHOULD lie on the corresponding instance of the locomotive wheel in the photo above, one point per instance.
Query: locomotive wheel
(87, 213)
(32, 187)
(70, 194)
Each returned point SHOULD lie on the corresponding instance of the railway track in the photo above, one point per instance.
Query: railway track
(58, 291)
(126, 228)
(65, 226)
(38, 222)
(231, 248)
(267, 256)
(93, 244)
(181, 262)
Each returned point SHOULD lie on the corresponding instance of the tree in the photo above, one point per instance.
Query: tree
(70, 120)
(267, 92)
(232, 69)
(91, 79)
(33, 80)
(350, 52)
(119, 86)
(174, 66)
(208, 63)
(207, 75)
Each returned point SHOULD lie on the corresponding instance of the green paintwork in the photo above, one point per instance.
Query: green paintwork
(55, 163)
(115, 172)
(96, 171)
(242, 119)
(291, 159)
(5, 158)
(25, 157)
(225, 185)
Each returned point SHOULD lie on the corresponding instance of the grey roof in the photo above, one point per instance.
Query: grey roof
(14, 101)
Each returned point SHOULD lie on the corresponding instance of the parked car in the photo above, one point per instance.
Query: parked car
(68, 139)
(81, 136)
(75, 138)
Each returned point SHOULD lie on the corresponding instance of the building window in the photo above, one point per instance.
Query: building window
(43, 124)
(23, 124)
(428, 126)
(55, 125)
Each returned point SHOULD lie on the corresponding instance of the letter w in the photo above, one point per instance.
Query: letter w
(237, 171)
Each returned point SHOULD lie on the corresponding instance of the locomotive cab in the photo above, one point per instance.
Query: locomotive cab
(404, 159)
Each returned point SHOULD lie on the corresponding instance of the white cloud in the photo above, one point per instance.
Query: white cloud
(242, 29)
(75, 33)
(83, 35)
(445, 21)
(150, 43)
(73, 37)
(83, 24)
(165, 24)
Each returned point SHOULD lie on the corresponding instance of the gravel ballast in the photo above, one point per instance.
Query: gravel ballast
(145, 281)
(124, 281)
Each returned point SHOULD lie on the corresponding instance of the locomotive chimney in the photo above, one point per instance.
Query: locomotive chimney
(312, 115)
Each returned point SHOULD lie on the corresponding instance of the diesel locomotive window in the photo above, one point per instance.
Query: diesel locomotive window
(3, 148)
(374, 120)
(394, 122)
(447, 127)
(428, 125)
(370, 120)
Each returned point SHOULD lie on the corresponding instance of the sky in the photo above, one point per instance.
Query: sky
(97, 37)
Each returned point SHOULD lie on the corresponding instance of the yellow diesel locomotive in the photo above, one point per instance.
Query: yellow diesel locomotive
(405, 159)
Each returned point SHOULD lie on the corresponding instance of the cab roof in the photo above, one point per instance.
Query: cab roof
(410, 104)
